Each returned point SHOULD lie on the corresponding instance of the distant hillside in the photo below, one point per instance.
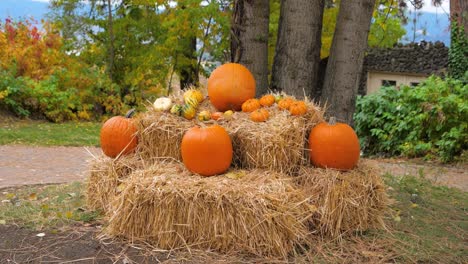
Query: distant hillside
(436, 27)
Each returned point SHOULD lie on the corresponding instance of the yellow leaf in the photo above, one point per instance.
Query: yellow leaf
(2, 222)
(397, 218)
(32, 197)
(413, 205)
(69, 214)
(235, 175)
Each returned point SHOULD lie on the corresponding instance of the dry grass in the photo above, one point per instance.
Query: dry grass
(347, 202)
(258, 212)
(105, 176)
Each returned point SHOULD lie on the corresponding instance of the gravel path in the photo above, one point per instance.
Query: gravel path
(25, 165)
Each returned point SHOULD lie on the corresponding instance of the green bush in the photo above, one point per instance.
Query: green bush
(430, 120)
(64, 95)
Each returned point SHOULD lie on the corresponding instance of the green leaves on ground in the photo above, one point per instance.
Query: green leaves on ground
(45, 206)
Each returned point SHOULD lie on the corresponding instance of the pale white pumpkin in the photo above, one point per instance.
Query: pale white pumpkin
(162, 104)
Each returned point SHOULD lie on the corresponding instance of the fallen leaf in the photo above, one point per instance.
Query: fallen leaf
(72, 194)
(40, 235)
(397, 218)
(2, 222)
(414, 205)
(32, 197)
(69, 214)
(235, 175)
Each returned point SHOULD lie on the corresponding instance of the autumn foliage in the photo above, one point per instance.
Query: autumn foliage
(38, 78)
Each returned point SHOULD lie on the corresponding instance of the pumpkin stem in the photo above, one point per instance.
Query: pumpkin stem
(130, 113)
(332, 121)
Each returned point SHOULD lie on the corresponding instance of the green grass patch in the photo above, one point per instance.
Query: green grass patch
(45, 206)
(50, 134)
(429, 222)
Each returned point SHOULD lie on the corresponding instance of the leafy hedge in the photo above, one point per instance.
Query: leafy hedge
(430, 120)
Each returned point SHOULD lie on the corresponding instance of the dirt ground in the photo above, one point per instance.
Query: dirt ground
(26, 165)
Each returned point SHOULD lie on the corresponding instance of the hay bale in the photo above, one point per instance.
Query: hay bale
(279, 144)
(105, 176)
(262, 212)
(160, 134)
(347, 201)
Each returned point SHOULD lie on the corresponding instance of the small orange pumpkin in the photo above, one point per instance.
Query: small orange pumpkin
(267, 100)
(285, 103)
(259, 115)
(207, 151)
(334, 145)
(216, 115)
(118, 135)
(250, 105)
(298, 108)
(230, 85)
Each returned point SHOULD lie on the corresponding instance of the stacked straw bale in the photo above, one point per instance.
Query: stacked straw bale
(351, 201)
(258, 211)
(105, 176)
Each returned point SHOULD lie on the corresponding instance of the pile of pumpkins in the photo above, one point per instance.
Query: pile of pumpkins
(208, 150)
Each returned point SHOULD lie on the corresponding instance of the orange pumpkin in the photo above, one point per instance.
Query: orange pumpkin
(250, 105)
(207, 151)
(267, 100)
(229, 86)
(285, 103)
(118, 135)
(298, 108)
(216, 115)
(260, 115)
(334, 145)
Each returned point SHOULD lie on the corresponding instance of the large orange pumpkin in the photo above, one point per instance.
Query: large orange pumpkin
(207, 151)
(334, 145)
(229, 86)
(118, 135)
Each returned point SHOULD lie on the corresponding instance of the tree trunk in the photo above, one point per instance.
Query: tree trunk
(249, 39)
(110, 63)
(346, 57)
(189, 72)
(459, 11)
(297, 57)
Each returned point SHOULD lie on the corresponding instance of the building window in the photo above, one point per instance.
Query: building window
(388, 83)
(414, 84)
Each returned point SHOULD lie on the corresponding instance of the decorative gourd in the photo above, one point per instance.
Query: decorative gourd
(228, 114)
(216, 115)
(229, 86)
(298, 108)
(118, 135)
(204, 115)
(207, 151)
(176, 110)
(267, 100)
(250, 105)
(278, 98)
(192, 101)
(188, 111)
(193, 93)
(334, 145)
(260, 115)
(285, 103)
(162, 104)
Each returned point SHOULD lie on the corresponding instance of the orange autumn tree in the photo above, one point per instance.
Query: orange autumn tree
(37, 77)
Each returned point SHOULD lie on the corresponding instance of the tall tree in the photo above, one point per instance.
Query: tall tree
(346, 57)
(249, 42)
(459, 11)
(295, 66)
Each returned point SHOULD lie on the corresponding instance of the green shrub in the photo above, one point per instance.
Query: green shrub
(426, 121)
